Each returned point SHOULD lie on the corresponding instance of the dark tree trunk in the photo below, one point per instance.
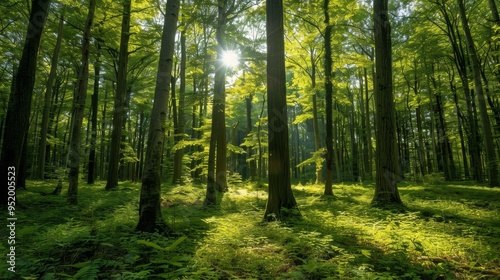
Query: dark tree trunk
(93, 137)
(250, 162)
(150, 216)
(119, 107)
(19, 106)
(491, 158)
(386, 157)
(280, 191)
(78, 109)
(42, 149)
(179, 129)
(329, 102)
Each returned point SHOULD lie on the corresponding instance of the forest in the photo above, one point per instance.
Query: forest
(247, 139)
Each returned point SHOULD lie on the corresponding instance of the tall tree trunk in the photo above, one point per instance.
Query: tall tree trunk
(179, 129)
(317, 137)
(280, 191)
(47, 102)
(150, 216)
(369, 164)
(328, 101)
(19, 106)
(119, 108)
(491, 158)
(94, 107)
(78, 109)
(251, 162)
(219, 114)
(386, 157)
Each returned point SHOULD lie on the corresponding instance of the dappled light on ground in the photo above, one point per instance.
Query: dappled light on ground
(443, 232)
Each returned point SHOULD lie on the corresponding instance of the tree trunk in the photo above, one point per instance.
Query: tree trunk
(329, 102)
(150, 216)
(119, 107)
(94, 107)
(491, 158)
(386, 155)
(280, 191)
(47, 103)
(78, 109)
(19, 106)
(179, 129)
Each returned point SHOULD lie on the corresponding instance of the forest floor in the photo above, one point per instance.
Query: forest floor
(446, 231)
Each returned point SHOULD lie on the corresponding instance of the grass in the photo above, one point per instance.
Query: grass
(446, 231)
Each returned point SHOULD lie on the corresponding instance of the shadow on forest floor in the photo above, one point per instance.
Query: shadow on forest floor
(445, 232)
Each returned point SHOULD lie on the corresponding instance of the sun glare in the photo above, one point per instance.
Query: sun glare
(230, 59)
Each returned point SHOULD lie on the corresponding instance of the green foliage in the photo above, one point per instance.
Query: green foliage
(445, 232)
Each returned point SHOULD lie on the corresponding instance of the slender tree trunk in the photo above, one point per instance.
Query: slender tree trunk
(94, 107)
(119, 108)
(179, 129)
(21, 95)
(329, 102)
(150, 216)
(47, 103)
(280, 192)
(386, 157)
(78, 109)
(251, 162)
(491, 158)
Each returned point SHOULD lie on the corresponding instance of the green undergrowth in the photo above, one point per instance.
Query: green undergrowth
(443, 232)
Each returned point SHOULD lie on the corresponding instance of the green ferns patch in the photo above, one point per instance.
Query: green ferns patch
(443, 232)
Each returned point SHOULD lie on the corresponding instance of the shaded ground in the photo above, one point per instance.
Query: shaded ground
(445, 232)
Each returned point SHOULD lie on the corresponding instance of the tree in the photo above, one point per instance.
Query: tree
(150, 217)
(19, 106)
(386, 154)
(280, 190)
(119, 109)
(79, 108)
(491, 158)
(329, 102)
(48, 102)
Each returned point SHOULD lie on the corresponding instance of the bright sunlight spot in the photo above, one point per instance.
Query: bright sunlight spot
(230, 59)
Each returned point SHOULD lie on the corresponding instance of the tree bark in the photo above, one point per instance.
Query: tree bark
(329, 102)
(94, 107)
(48, 102)
(119, 107)
(150, 216)
(386, 155)
(19, 106)
(280, 192)
(78, 109)
(491, 158)
(179, 129)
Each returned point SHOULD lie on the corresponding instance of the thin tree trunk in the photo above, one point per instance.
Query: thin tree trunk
(491, 158)
(179, 129)
(119, 107)
(78, 109)
(94, 107)
(329, 102)
(47, 102)
(150, 216)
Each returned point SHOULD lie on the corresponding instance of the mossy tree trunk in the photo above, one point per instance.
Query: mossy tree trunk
(150, 216)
